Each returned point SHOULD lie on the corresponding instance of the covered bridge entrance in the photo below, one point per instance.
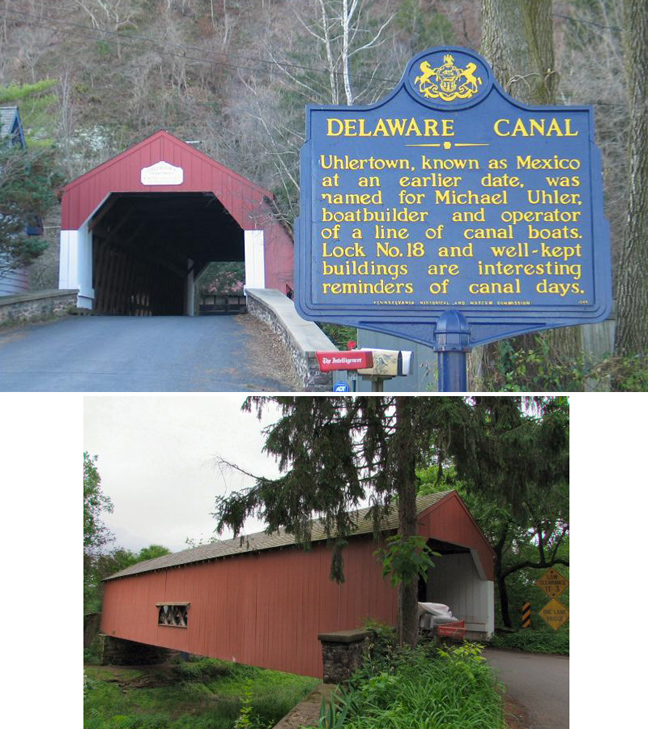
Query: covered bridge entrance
(264, 601)
(137, 230)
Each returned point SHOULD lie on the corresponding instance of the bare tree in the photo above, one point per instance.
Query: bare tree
(337, 45)
(67, 119)
(592, 72)
(342, 32)
(632, 277)
(113, 15)
(517, 40)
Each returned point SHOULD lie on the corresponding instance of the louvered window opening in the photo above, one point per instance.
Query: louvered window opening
(174, 615)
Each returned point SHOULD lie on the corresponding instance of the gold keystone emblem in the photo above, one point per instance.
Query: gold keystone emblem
(447, 82)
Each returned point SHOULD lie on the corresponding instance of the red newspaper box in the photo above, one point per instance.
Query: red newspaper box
(353, 360)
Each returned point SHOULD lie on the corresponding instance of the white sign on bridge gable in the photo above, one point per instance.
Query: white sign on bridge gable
(162, 173)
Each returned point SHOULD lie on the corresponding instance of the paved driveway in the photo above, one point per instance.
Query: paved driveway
(142, 354)
(539, 682)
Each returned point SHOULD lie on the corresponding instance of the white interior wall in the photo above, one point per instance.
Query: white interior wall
(454, 581)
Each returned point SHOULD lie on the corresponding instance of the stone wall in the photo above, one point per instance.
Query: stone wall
(342, 653)
(120, 652)
(91, 623)
(36, 306)
(307, 712)
(301, 338)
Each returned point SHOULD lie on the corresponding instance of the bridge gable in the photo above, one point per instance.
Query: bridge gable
(244, 200)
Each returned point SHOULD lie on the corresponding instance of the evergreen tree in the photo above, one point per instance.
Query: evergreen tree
(28, 177)
(27, 183)
(336, 453)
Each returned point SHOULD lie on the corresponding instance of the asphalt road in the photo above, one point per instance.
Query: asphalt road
(538, 682)
(142, 354)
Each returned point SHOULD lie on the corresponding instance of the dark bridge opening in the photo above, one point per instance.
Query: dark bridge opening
(148, 249)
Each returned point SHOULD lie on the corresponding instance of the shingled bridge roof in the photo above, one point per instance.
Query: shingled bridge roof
(262, 540)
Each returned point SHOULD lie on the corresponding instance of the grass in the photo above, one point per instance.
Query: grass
(425, 688)
(536, 640)
(197, 694)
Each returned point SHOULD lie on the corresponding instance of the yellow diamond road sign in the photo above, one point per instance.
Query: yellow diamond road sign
(555, 613)
(552, 582)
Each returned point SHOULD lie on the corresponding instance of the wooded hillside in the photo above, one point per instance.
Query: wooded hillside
(232, 76)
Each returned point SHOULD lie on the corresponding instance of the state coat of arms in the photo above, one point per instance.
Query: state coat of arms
(447, 82)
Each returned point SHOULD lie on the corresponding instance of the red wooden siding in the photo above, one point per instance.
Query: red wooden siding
(267, 608)
(457, 526)
(264, 609)
(244, 200)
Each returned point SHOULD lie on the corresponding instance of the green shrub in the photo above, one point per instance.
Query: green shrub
(427, 688)
(541, 369)
(542, 640)
(248, 718)
(91, 655)
(339, 334)
(382, 649)
(201, 669)
(626, 374)
(536, 369)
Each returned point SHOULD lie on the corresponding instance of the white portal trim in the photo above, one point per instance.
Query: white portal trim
(254, 259)
(75, 260)
(75, 264)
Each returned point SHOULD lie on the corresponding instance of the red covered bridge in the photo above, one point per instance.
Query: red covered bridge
(265, 601)
(137, 230)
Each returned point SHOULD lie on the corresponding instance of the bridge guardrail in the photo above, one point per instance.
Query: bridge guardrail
(36, 305)
(301, 338)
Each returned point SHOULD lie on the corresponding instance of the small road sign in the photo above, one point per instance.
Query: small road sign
(555, 614)
(553, 583)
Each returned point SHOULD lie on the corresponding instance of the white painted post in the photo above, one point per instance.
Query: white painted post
(254, 260)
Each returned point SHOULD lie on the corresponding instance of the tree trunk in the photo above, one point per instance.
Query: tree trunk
(504, 601)
(517, 40)
(407, 630)
(632, 277)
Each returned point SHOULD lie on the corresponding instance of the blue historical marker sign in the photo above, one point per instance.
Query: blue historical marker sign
(448, 212)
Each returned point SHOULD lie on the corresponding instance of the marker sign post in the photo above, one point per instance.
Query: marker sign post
(452, 215)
